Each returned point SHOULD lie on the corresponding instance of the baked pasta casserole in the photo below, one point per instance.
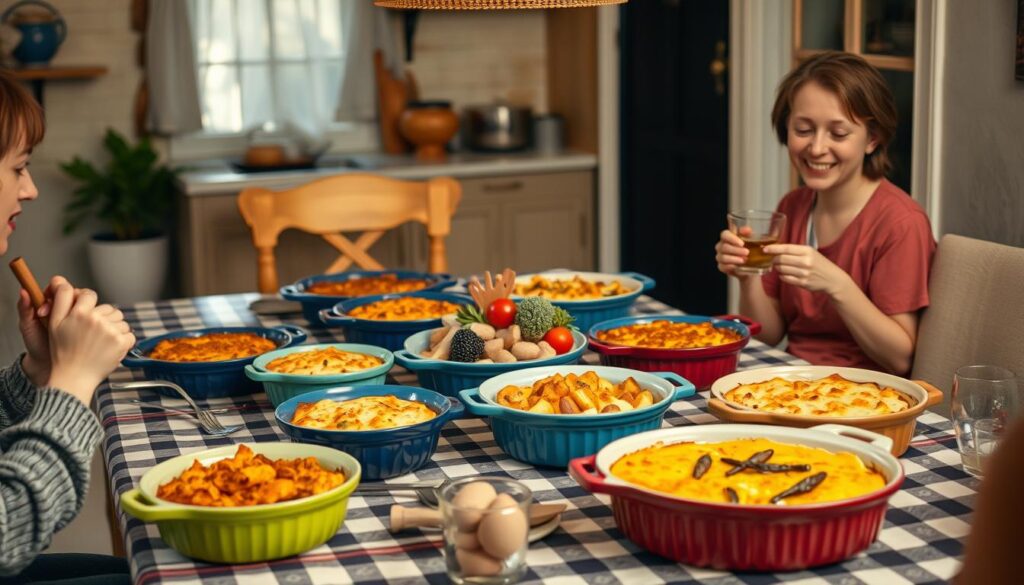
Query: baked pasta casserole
(404, 309)
(831, 396)
(368, 413)
(664, 334)
(323, 362)
(570, 289)
(749, 471)
(368, 285)
(211, 347)
(572, 394)
(249, 479)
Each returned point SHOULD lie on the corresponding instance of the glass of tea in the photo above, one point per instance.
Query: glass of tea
(757, 228)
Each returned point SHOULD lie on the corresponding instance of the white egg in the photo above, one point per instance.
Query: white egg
(477, 495)
(477, 563)
(503, 529)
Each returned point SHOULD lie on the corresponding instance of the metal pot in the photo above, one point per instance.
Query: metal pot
(497, 127)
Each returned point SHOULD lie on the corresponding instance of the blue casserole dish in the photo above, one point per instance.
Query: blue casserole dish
(553, 439)
(449, 377)
(209, 379)
(384, 453)
(312, 304)
(387, 334)
(280, 387)
(590, 312)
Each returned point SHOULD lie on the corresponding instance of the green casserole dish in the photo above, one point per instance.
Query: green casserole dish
(245, 534)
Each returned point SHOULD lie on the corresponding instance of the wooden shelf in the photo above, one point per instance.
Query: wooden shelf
(48, 73)
(38, 75)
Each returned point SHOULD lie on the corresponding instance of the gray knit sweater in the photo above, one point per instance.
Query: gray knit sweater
(47, 438)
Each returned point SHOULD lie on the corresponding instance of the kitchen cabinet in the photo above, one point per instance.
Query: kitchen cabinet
(527, 222)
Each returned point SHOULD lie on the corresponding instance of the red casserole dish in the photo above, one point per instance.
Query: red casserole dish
(701, 365)
(746, 537)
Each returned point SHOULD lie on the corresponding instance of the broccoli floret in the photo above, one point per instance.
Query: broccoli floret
(535, 317)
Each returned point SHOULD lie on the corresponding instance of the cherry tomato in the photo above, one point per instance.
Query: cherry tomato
(501, 313)
(559, 338)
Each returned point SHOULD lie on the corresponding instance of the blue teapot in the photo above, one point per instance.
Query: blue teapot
(39, 38)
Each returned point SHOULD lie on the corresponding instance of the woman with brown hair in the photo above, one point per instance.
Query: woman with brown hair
(47, 432)
(849, 281)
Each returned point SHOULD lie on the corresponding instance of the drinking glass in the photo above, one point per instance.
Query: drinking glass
(985, 398)
(485, 537)
(757, 228)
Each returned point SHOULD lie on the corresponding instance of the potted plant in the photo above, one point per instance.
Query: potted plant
(133, 195)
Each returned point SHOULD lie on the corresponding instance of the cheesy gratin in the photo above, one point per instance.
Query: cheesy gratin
(664, 334)
(831, 396)
(570, 289)
(322, 362)
(211, 347)
(365, 286)
(404, 309)
(368, 413)
(671, 469)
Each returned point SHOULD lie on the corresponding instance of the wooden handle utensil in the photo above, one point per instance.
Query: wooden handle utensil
(21, 271)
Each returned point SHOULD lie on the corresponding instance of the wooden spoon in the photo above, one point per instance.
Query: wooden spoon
(403, 517)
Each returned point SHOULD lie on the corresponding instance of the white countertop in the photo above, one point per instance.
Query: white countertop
(219, 177)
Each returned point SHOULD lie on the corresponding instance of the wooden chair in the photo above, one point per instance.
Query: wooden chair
(349, 203)
(974, 316)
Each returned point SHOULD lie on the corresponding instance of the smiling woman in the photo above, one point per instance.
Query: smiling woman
(851, 276)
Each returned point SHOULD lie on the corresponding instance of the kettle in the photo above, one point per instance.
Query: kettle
(41, 33)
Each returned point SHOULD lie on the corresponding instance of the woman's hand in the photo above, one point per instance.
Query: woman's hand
(730, 253)
(86, 341)
(37, 360)
(807, 268)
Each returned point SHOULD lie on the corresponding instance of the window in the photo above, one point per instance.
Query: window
(261, 61)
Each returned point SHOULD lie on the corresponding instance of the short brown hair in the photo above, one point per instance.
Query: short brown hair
(21, 117)
(862, 91)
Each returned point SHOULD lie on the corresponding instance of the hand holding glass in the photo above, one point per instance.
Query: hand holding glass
(757, 229)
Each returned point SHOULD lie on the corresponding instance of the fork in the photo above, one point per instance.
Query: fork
(206, 419)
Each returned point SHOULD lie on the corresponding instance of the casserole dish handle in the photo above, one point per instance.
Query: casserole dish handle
(290, 292)
(405, 359)
(469, 397)
(725, 411)
(260, 376)
(133, 502)
(752, 325)
(332, 317)
(135, 359)
(882, 442)
(684, 388)
(455, 409)
(584, 471)
(935, 395)
(296, 333)
(646, 281)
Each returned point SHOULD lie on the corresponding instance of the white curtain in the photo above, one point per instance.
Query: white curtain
(307, 63)
(170, 69)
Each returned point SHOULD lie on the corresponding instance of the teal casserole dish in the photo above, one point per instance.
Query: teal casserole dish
(589, 312)
(313, 303)
(552, 440)
(382, 453)
(448, 377)
(208, 379)
(280, 387)
(390, 335)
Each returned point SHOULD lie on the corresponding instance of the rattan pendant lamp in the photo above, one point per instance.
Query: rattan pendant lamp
(491, 4)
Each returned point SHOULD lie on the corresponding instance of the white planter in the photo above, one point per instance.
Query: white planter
(129, 271)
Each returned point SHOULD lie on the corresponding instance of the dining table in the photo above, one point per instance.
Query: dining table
(921, 540)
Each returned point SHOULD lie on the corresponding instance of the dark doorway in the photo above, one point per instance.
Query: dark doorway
(675, 148)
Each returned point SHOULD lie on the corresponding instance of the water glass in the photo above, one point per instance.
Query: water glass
(985, 398)
(486, 529)
(757, 228)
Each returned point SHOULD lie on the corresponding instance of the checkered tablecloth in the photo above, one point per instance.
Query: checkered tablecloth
(921, 541)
